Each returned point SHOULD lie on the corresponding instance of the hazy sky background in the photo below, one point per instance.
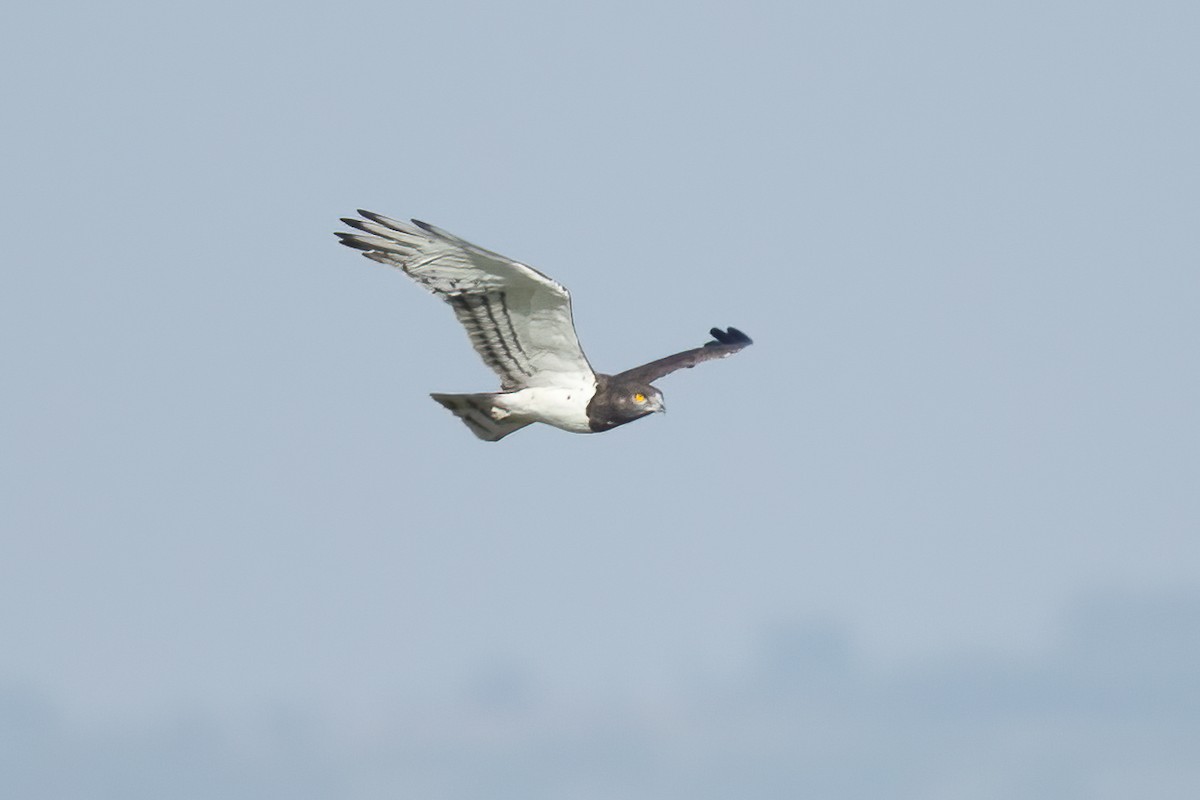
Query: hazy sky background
(934, 535)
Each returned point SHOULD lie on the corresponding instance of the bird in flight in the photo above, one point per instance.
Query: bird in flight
(520, 323)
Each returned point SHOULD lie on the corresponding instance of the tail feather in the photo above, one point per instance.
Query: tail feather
(475, 410)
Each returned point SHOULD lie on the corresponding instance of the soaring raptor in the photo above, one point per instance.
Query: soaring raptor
(520, 323)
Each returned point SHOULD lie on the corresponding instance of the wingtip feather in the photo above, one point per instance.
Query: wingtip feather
(386, 222)
(741, 337)
(353, 240)
(729, 336)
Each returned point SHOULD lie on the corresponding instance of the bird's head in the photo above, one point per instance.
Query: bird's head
(639, 400)
(620, 402)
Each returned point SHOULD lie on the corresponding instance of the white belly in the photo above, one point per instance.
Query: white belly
(562, 408)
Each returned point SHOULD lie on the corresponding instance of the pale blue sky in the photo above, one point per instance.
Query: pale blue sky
(964, 239)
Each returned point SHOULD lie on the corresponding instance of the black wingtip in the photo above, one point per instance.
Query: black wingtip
(352, 240)
(379, 219)
(729, 336)
(741, 337)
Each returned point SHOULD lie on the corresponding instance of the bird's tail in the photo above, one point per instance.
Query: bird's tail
(478, 411)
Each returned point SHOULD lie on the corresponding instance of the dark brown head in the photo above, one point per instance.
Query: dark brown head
(616, 403)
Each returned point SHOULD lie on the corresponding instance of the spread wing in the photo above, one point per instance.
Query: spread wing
(724, 344)
(518, 319)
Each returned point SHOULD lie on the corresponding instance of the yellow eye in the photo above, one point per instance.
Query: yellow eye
(639, 398)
